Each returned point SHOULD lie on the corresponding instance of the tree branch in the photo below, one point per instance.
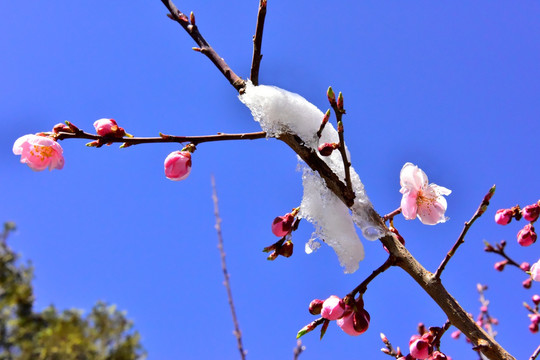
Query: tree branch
(481, 209)
(237, 332)
(79, 134)
(190, 27)
(257, 44)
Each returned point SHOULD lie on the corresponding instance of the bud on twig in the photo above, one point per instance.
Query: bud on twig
(331, 97)
(340, 102)
(192, 18)
(323, 123)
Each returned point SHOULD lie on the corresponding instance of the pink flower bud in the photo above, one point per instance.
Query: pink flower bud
(499, 266)
(39, 152)
(535, 275)
(282, 225)
(108, 127)
(455, 334)
(326, 149)
(333, 308)
(351, 326)
(533, 328)
(526, 236)
(531, 212)
(483, 308)
(419, 347)
(437, 355)
(527, 283)
(61, 128)
(361, 321)
(286, 249)
(535, 319)
(178, 165)
(525, 266)
(315, 306)
(503, 216)
(536, 299)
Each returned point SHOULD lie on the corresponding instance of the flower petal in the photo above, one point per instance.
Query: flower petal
(412, 178)
(408, 205)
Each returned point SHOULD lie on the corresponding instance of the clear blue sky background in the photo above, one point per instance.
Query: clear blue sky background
(453, 87)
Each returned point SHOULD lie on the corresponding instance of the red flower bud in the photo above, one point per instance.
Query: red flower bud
(526, 236)
(531, 212)
(315, 306)
(282, 225)
(503, 216)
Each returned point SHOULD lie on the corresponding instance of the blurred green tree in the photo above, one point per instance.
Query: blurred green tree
(104, 334)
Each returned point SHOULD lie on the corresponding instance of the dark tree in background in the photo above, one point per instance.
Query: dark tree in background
(103, 334)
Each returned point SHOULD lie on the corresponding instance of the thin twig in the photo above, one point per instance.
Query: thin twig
(363, 286)
(346, 163)
(391, 215)
(481, 209)
(499, 249)
(257, 43)
(204, 47)
(298, 349)
(161, 139)
(226, 282)
(535, 353)
(437, 339)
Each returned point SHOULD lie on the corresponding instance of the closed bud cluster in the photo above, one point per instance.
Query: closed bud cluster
(283, 248)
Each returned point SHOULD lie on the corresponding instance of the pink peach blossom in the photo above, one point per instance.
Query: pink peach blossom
(39, 152)
(178, 165)
(333, 308)
(535, 272)
(108, 127)
(421, 198)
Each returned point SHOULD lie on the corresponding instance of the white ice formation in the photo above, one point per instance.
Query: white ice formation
(279, 111)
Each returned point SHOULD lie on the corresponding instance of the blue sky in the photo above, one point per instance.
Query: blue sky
(452, 88)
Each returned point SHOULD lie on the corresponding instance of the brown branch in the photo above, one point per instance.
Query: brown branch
(391, 215)
(79, 134)
(257, 43)
(226, 282)
(190, 27)
(364, 284)
(481, 209)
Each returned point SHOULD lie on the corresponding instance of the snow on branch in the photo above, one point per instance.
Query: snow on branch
(279, 111)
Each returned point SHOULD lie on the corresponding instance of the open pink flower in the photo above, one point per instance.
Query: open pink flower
(39, 152)
(535, 271)
(178, 165)
(421, 198)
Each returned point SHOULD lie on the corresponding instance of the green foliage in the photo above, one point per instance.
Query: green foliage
(104, 334)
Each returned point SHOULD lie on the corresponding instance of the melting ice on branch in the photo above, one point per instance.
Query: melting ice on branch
(279, 111)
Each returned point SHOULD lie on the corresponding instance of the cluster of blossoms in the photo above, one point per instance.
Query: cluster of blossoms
(282, 226)
(352, 319)
(422, 346)
(534, 315)
(42, 151)
(527, 235)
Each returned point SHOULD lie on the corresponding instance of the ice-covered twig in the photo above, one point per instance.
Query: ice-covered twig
(257, 43)
(226, 282)
(204, 47)
(79, 134)
(461, 239)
